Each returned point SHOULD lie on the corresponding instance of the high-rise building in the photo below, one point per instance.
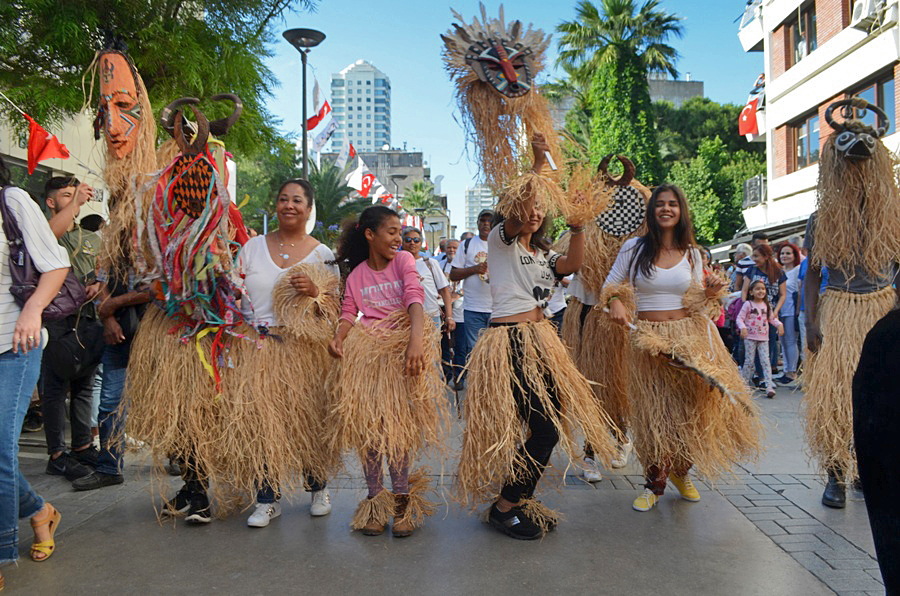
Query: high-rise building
(477, 198)
(361, 103)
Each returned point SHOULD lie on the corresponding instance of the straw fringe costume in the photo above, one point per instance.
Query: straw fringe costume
(855, 233)
(689, 405)
(845, 320)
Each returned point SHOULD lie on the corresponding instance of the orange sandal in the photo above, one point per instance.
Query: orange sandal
(47, 546)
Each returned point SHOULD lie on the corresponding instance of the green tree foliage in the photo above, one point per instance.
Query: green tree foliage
(419, 198)
(680, 130)
(196, 48)
(260, 177)
(609, 50)
(713, 181)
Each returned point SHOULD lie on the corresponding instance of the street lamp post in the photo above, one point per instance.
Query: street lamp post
(394, 178)
(303, 40)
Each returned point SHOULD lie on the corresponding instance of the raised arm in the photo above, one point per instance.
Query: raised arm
(513, 224)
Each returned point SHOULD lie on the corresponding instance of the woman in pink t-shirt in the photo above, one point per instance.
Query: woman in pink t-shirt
(388, 397)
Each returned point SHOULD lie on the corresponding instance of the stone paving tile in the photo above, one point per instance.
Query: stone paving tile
(834, 560)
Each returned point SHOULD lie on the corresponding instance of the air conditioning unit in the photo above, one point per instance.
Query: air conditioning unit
(865, 13)
(754, 191)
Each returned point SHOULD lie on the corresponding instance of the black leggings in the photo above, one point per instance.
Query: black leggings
(544, 437)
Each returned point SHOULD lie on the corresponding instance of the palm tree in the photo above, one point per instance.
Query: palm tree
(608, 51)
(419, 197)
(618, 28)
(333, 202)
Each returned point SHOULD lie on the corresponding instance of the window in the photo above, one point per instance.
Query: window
(359, 82)
(368, 116)
(349, 116)
(806, 137)
(368, 100)
(881, 94)
(368, 90)
(368, 83)
(337, 83)
(368, 125)
(368, 134)
(802, 34)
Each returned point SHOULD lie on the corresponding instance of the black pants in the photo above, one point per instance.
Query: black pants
(544, 437)
(53, 390)
(876, 418)
(448, 340)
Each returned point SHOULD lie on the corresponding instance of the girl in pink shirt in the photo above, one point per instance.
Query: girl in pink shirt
(387, 400)
(753, 320)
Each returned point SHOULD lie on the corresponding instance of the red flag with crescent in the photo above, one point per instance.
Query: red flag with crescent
(367, 180)
(747, 123)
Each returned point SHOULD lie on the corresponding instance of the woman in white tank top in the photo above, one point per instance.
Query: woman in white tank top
(679, 420)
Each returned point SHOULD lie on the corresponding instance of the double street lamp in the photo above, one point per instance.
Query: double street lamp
(303, 40)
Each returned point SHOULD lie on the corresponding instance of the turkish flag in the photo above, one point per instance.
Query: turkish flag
(313, 121)
(42, 145)
(747, 123)
(367, 180)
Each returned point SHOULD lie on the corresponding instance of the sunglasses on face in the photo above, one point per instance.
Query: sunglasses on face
(414, 240)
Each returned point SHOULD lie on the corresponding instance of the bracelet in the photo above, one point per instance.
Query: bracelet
(611, 298)
(576, 229)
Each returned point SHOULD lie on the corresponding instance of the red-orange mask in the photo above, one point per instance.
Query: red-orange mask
(120, 109)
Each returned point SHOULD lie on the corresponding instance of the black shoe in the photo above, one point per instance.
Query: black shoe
(87, 456)
(835, 494)
(179, 505)
(198, 512)
(173, 468)
(97, 480)
(34, 421)
(68, 466)
(784, 380)
(514, 523)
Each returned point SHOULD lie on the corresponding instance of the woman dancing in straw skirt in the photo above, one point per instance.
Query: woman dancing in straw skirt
(292, 297)
(388, 391)
(678, 419)
(525, 394)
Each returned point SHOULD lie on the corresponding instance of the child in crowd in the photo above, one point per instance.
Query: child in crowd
(753, 320)
(388, 395)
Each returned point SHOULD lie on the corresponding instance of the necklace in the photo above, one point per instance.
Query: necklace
(284, 255)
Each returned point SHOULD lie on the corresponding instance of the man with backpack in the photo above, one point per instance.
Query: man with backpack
(70, 359)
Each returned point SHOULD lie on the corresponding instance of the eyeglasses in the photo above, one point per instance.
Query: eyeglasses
(413, 240)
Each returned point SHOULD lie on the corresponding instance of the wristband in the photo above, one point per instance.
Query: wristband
(576, 229)
(611, 298)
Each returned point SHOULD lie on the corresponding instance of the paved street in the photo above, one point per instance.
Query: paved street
(763, 533)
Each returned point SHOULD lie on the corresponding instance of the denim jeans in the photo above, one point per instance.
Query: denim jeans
(460, 349)
(801, 319)
(790, 347)
(18, 378)
(475, 322)
(112, 436)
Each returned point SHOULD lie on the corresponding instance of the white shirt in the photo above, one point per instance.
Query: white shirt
(433, 281)
(43, 248)
(477, 291)
(579, 291)
(665, 288)
(261, 274)
(557, 300)
(789, 308)
(520, 279)
(455, 288)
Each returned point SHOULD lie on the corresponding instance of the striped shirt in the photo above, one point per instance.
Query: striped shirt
(42, 246)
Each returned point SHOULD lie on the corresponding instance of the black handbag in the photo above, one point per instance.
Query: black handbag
(25, 276)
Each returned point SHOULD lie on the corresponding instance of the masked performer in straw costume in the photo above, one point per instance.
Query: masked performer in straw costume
(525, 394)
(855, 233)
(193, 386)
(598, 346)
(388, 401)
(698, 413)
(125, 120)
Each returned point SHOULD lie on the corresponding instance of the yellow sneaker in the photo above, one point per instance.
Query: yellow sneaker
(645, 501)
(686, 487)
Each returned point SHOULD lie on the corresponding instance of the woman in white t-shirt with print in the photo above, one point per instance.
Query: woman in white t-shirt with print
(263, 261)
(524, 393)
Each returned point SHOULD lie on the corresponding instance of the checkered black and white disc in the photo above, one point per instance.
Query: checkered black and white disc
(625, 213)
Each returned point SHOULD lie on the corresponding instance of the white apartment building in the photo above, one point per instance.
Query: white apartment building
(361, 103)
(814, 52)
(477, 198)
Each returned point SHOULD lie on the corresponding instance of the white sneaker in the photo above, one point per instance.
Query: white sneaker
(264, 513)
(591, 471)
(621, 460)
(321, 503)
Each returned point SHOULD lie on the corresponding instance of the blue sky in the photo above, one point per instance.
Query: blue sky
(401, 37)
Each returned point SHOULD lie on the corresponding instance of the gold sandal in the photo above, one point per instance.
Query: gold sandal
(47, 546)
